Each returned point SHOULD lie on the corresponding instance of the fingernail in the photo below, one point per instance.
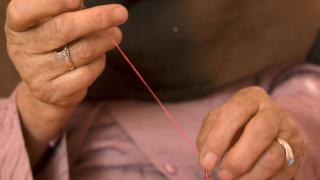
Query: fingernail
(120, 14)
(225, 175)
(209, 161)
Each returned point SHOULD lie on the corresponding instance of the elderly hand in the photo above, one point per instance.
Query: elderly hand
(51, 88)
(35, 29)
(240, 138)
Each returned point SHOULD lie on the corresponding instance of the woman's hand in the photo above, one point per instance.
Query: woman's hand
(50, 90)
(240, 138)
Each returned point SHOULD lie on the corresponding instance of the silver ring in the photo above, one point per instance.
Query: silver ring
(63, 55)
(288, 150)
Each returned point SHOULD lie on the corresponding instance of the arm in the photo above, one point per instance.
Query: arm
(14, 157)
(50, 89)
(41, 122)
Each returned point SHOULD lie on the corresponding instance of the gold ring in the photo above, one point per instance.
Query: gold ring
(63, 54)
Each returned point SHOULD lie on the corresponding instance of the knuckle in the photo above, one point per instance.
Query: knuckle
(238, 102)
(273, 161)
(206, 127)
(42, 91)
(239, 108)
(237, 165)
(57, 6)
(210, 119)
(211, 141)
(38, 91)
(101, 18)
(63, 5)
(16, 42)
(34, 86)
(255, 89)
(264, 128)
(84, 50)
(59, 28)
(75, 4)
(213, 115)
(255, 92)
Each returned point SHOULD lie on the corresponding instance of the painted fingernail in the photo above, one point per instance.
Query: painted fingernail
(120, 14)
(209, 161)
(225, 175)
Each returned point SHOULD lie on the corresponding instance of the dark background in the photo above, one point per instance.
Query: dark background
(305, 13)
(8, 75)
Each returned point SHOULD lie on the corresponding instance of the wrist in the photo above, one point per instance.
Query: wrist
(41, 122)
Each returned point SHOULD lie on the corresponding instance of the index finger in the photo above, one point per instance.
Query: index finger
(22, 14)
(233, 115)
(70, 26)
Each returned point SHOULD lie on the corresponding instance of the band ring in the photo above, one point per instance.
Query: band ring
(288, 150)
(63, 55)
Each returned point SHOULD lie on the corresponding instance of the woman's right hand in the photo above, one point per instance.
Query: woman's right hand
(50, 90)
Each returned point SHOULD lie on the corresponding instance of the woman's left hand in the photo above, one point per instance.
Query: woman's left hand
(240, 138)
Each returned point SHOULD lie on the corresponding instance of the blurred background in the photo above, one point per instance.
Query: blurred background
(8, 75)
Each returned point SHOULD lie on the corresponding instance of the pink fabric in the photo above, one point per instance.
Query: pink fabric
(13, 155)
(133, 140)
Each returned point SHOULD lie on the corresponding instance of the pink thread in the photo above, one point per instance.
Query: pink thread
(162, 106)
(174, 121)
(207, 176)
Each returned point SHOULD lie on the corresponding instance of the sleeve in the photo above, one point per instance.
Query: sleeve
(14, 159)
(299, 93)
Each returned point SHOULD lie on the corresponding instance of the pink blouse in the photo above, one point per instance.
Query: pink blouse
(134, 140)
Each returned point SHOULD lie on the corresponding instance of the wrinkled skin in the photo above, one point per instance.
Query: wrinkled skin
(241, 135)
(50, 91)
